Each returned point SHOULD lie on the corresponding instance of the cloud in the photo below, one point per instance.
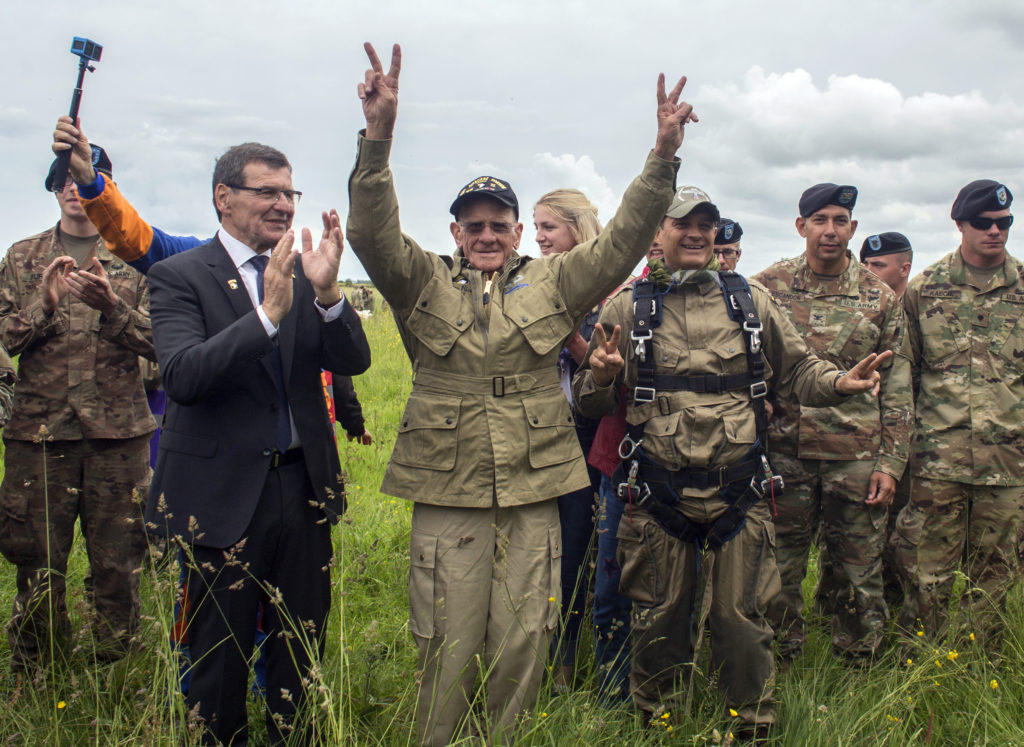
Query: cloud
(566, 170)
(769, 136)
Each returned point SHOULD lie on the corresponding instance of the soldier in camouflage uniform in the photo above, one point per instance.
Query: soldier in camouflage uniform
(7, 380)
(841, 464)
(77, 444)
(486, 442)
(965, 321)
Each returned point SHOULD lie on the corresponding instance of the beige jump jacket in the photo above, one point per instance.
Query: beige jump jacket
(486, 421)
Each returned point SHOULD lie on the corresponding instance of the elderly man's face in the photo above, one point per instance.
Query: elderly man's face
(487, 233)
(256, 220)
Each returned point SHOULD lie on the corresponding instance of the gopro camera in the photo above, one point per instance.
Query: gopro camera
(86, 49)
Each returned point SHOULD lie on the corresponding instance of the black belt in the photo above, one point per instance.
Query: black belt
(700, 478)
(289, 457)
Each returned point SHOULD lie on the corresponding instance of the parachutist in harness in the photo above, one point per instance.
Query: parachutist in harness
(654, 488)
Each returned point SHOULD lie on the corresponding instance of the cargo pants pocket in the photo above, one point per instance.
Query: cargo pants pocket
(17, 537)
(422, 599)
(639, 579)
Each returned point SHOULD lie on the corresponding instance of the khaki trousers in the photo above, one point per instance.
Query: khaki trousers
(484, 600)
(660, 574)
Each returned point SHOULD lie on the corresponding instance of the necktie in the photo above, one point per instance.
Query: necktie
(284, 424)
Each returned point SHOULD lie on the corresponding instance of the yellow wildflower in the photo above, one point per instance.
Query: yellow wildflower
(544, 715)
(910, 662)
(971, 636)
(920, 634)
(62, 704)
(665, 716)
(552, 600)
(952, 655)
(994, 684)
(733, 712)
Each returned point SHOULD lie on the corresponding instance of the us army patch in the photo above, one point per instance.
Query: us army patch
(1014, 297)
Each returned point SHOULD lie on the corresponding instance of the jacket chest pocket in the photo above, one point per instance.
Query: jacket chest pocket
(428, 434)
(441, 315)
(551, 433)
(941, 335)
(539, 313)
(1011, 327)
(856, 339)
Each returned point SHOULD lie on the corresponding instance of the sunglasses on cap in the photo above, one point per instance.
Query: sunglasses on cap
(984, 224)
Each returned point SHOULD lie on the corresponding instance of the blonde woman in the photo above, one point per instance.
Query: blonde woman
(563, 219)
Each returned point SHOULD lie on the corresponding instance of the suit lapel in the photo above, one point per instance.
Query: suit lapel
(227, 279)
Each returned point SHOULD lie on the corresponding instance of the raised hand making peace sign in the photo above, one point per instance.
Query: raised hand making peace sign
(379, 93)
(673, 116)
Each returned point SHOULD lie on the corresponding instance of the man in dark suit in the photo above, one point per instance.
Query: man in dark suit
(247, 475)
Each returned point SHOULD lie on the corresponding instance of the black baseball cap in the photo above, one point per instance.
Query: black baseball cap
(100, 162)
(487, 186)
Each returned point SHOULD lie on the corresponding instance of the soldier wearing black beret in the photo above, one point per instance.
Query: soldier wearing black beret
(965, 333)
(727, 243)
(888, 255)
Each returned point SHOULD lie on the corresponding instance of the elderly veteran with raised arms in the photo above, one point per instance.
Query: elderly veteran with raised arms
(486, 442)
(702, 349)
(965, 324)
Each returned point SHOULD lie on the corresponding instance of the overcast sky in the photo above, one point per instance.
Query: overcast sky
(907, 101)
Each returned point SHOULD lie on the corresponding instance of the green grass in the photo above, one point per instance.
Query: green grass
(367, 686)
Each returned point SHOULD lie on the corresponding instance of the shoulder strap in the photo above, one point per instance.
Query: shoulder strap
(740, 304)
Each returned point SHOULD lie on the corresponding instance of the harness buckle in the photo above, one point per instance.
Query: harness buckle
(772, 484)
(629, 444)
(753, 330)
(758, 389)
(640, 338)
(643, 394)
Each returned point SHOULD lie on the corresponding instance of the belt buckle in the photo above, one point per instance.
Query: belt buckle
(275, 461)
(498, 386)
(647, 395)
(758, 389)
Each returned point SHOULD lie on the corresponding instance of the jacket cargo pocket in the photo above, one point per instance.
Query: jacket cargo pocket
(640, 580)
(1012, 350)
(941, 335)
(552, 433)
(422, 601)
(856, 339)
(428, 434)
(541, 316)
(441, 314)
(555, 582)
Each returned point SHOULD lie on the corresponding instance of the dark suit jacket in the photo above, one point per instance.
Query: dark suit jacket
(219, 432)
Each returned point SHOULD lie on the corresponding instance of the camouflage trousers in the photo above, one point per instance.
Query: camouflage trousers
(660, 574)
(896, 558)
(47, 487)
(830, 494)
(949, 526)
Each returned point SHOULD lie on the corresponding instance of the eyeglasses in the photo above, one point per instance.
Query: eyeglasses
(498, 228)
(984, 224)
(727, 253)
(270, 195)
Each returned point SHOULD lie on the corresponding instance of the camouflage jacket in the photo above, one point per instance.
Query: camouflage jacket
(842, 321)
(704, 430)
(967, 348)
(7, 379)
(78, 373)
(487, 420)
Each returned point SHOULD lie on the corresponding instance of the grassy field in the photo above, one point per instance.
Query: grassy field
(948, 695)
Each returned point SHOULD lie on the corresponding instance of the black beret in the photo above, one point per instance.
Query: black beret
(978, 197)
(100, 162)
(729, 231)
(820, 195)
(889, 242)
(487, 186)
